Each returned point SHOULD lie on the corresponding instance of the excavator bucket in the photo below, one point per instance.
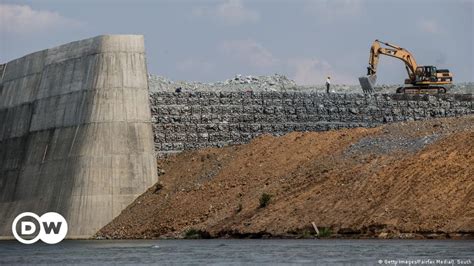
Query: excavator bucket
(368, 83)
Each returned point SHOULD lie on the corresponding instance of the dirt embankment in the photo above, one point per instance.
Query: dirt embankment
(402, 180)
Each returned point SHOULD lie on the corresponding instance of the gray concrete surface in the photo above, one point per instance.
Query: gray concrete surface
(75, 133)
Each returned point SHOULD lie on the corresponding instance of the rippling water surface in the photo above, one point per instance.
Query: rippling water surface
(219, 251)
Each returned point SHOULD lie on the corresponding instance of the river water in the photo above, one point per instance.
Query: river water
(245, 251)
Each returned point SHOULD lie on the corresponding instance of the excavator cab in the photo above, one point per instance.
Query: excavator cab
(425, 73)
(430, 74)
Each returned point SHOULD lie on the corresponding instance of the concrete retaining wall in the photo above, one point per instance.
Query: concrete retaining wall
(75, 133)
(192, 120)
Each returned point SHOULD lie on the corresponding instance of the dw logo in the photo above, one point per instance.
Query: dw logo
(28, 228)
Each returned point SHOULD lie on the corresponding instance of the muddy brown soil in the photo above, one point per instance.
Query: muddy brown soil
(404, 180)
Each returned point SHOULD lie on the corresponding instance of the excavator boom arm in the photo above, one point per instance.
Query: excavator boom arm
(394, 51)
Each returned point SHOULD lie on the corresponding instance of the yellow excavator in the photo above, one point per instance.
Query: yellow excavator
(421, 79)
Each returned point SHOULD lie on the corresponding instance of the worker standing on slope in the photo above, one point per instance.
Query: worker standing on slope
(328, 84)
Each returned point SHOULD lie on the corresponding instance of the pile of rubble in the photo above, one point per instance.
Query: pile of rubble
(274, 82)
(238, 83)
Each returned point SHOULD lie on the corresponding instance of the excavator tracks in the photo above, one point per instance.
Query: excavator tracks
(422, 90)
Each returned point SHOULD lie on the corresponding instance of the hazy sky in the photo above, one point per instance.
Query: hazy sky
(214, 40)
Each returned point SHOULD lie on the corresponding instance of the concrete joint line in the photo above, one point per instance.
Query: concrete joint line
(90, 90)
(97, 122)
(24, 76)
(88, 123)
(44, 154)
(73, 140)
(3, 73)
(91, 54)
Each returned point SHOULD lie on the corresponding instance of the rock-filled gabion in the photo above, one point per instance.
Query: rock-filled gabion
(197, 119)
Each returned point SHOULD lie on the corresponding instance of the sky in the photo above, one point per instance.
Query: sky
(208, 41)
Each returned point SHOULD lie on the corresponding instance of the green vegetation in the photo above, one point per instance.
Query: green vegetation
(265, 200)
(324, 232)
(193, 233)
(306, 234)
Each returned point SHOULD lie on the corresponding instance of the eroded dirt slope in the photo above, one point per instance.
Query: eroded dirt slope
(399, 180)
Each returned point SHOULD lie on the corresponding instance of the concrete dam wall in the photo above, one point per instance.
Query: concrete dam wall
(75, 132)
(192, 120)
